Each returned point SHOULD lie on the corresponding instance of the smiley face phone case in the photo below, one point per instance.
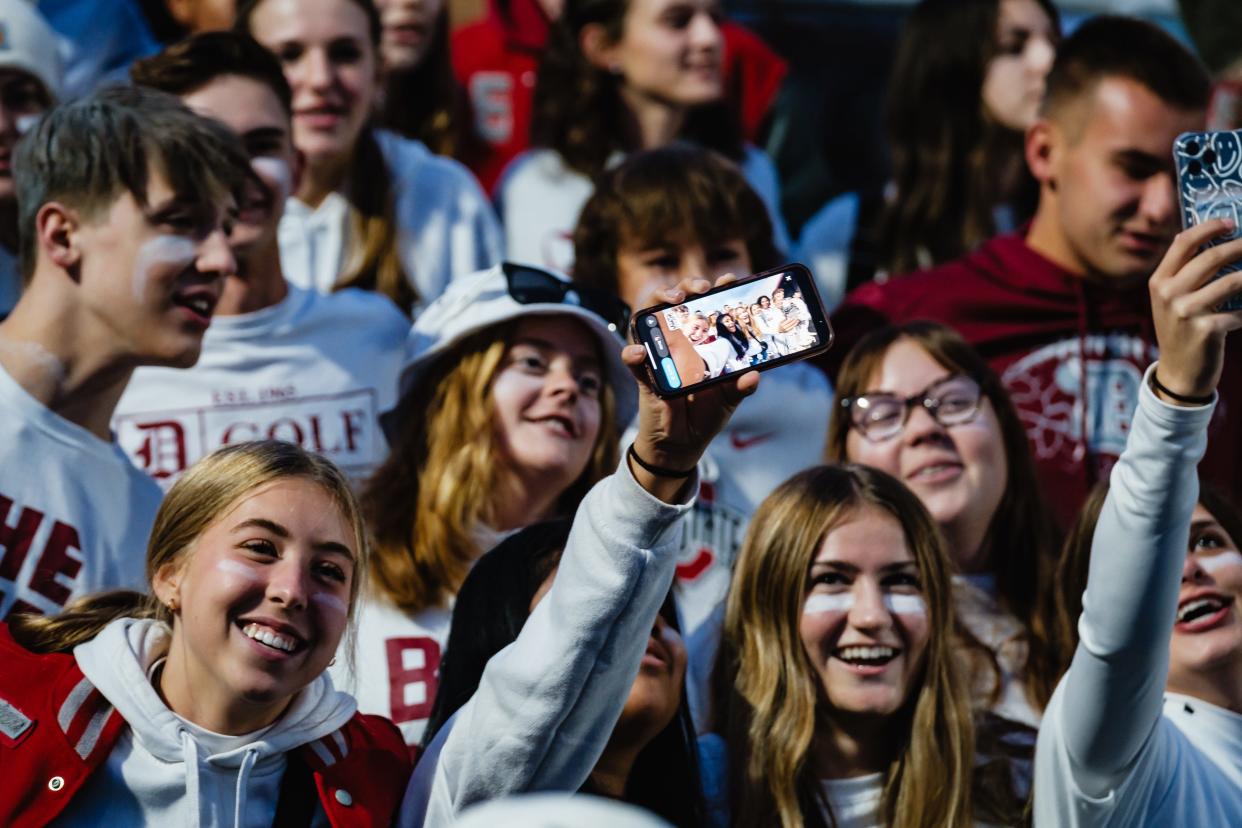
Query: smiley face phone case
(1209, 185)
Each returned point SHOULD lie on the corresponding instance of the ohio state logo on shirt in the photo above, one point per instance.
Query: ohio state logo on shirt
(342, 427)
(1046, 388)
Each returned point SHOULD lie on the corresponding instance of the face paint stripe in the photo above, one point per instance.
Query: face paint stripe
(905, 604)
(1215, 563)
(331, 602)
(171, 251)
(237, 568)
(278, 171)
(820, 603)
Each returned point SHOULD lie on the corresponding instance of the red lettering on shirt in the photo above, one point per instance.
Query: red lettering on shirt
(400, 677)
(16, 539)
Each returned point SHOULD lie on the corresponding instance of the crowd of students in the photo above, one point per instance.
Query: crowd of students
(325, 307)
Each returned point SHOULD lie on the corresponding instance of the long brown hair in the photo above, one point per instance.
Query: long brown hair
(200, 497)
(768, 696)
(372, 258)
(578, 110)
(427, 103)
(952, 162)
(1021, 540)
(427, 501)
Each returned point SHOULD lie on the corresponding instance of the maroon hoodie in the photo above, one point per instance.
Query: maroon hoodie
(1037, 325)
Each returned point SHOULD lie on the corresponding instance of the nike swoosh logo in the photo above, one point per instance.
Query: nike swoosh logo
(742, 443)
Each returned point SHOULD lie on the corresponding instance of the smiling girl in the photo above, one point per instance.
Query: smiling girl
(372, 209)
(1146, 726)
(619, 76)
(919, 403)
(838, 695)
(204, 701)
(511, 393)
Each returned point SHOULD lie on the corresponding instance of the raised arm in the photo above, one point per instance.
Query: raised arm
(546, 705)
(1112, 695)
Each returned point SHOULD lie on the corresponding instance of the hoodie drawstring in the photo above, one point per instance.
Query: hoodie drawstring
(243, 776)
(189, 755)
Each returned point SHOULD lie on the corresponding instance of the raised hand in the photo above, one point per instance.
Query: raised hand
(674, 433)
(1184, 297)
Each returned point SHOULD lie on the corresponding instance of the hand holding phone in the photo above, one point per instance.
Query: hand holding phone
(674, 433)
(761, 322)
(1209, 185)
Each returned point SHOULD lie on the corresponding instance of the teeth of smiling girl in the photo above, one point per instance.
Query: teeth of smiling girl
(271, 639)
(880, 654)
(1196, 608)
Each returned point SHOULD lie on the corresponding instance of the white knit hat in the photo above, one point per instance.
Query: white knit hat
(557, 810)
(473, 303)
(28, 43)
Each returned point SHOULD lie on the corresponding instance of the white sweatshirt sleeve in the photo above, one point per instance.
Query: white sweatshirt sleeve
(1100, 722)
(546, 704)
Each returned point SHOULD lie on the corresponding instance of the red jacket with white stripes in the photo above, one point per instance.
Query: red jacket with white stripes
(56, 729)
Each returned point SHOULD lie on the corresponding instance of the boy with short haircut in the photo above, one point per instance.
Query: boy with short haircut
(279, 361)
(124, 202)
(1061, 308)
(679, 212)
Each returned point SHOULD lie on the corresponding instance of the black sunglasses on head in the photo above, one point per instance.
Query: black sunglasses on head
(533, 286)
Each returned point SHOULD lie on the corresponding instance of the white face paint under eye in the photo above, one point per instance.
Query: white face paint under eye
(330, 601)
(162, 251)
(237, 568)
(820, 603)
(25, 123)
(277, 172)
(905, 604)
(1214, 563)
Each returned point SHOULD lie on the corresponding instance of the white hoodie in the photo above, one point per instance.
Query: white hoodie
(167, 771)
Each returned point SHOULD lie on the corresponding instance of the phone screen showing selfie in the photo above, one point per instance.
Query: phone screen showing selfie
(758, 323)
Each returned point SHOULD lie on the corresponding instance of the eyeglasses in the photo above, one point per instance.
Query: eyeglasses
(951, 401)
(533, 286)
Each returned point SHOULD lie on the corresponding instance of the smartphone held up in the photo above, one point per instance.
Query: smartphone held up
(758, 323)
(1209, 186)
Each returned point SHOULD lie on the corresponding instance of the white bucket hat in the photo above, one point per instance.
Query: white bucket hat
(553, 810)
(28, 43)
(507, 291)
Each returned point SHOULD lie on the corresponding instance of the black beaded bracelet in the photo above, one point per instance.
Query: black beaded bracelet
(1181, 398)
(659, 471)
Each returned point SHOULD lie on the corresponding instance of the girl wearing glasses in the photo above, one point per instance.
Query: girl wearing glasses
(510, 399)
(919, 403)
(371, 209)
(839, 698)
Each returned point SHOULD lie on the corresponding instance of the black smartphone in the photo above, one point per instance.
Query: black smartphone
(761, 322)
(1209, 186)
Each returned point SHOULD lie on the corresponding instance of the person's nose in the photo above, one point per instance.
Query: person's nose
(1192, 571)
(1158, 204)
(289, 583)
(921, 426)
(1040, 53)
(317, 70)
(560, 379)
(705, 34)
(868, 612)
(215, 255)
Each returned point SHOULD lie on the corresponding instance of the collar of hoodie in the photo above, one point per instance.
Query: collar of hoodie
(118, 662)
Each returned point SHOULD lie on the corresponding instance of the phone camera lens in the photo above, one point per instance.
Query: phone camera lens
(1194, 168)
(651, 322)
(1192, 147)
(1209, 157)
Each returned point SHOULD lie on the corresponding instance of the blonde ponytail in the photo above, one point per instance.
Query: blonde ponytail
(82, 620)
